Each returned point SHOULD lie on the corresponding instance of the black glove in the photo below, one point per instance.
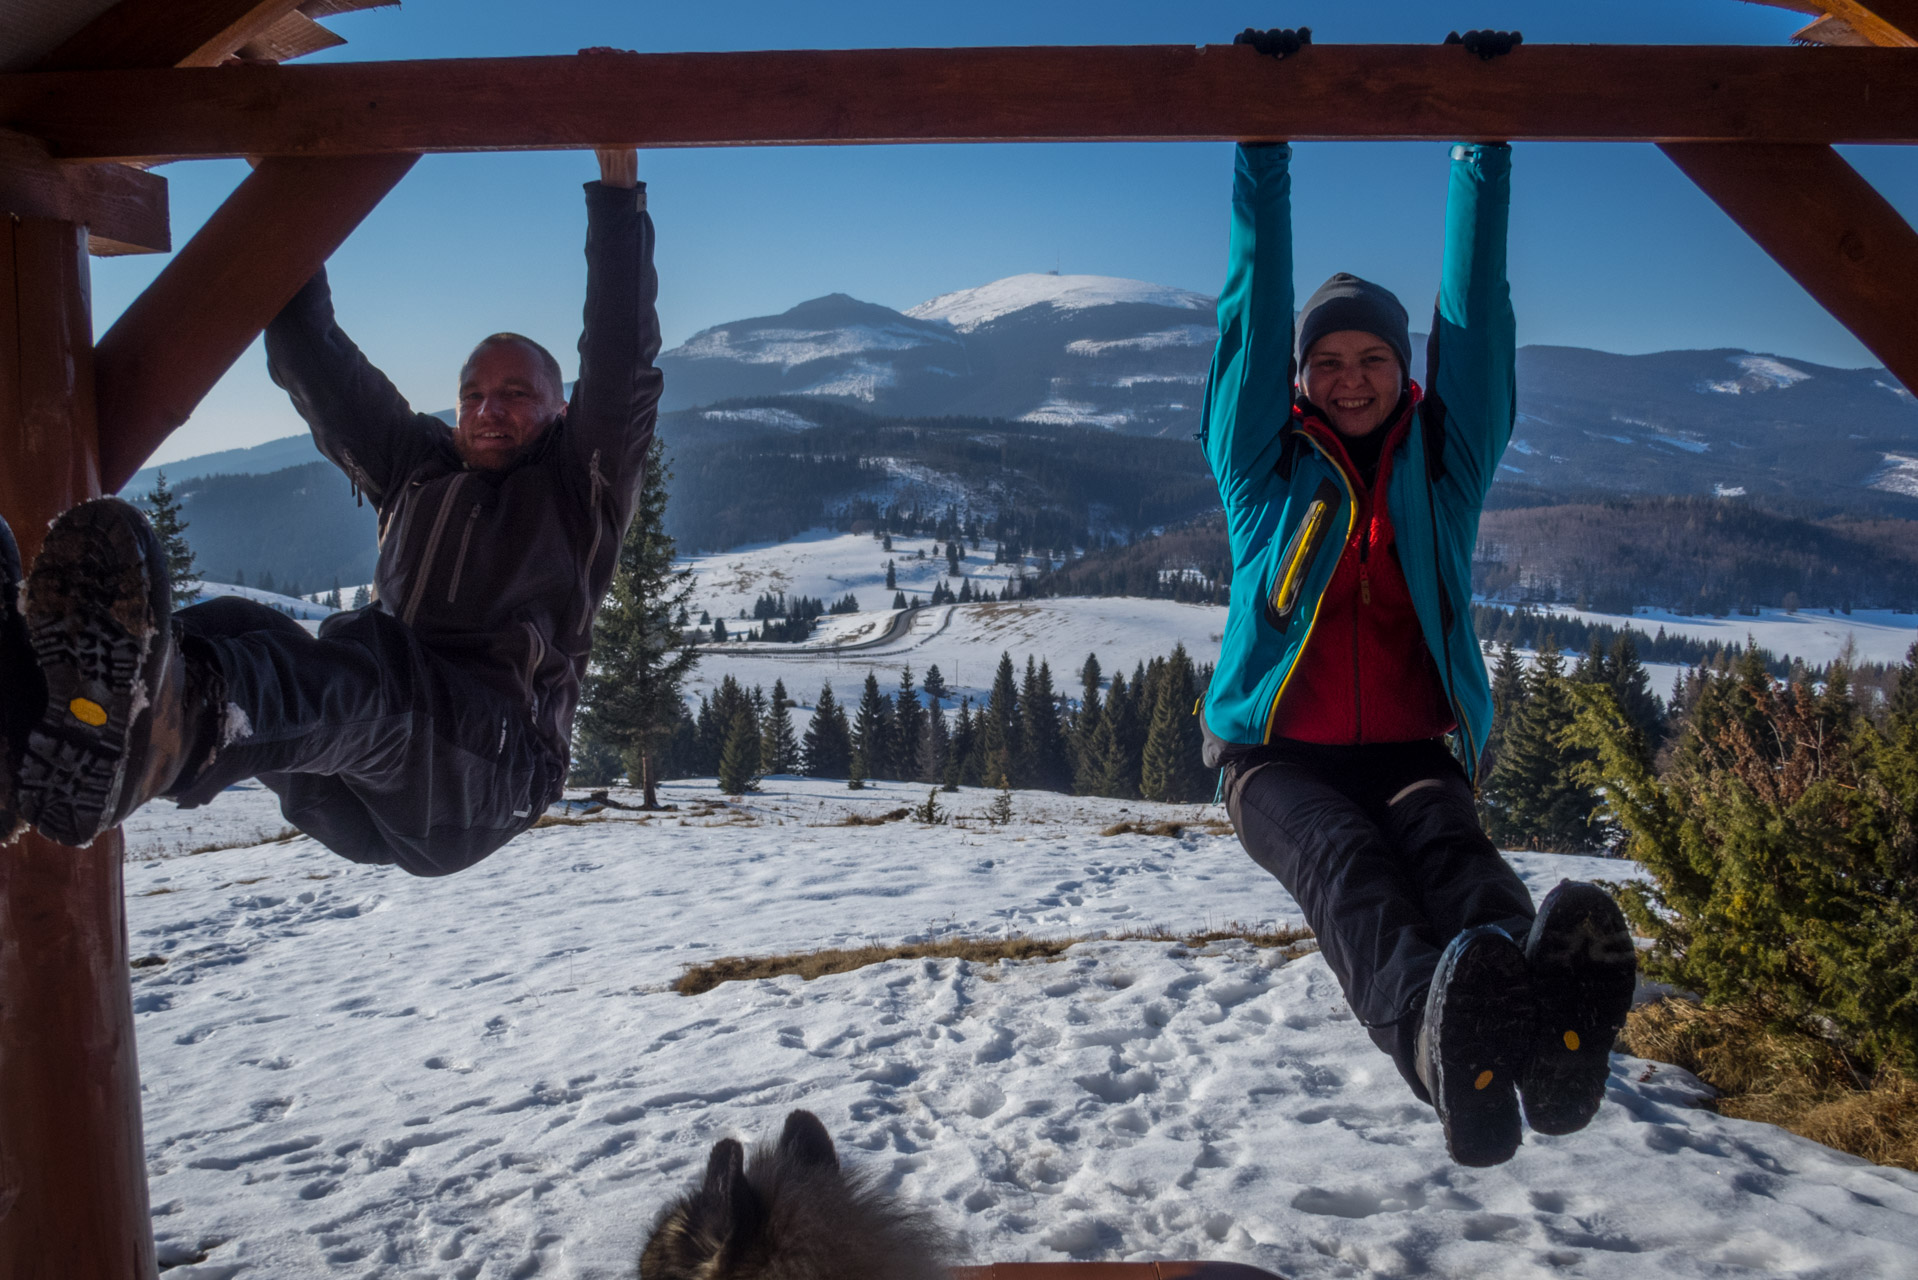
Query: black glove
(1276, 43)
(1487, 44)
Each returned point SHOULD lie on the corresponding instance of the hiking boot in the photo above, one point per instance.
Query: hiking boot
(116, 723)
(1471, 1044)
(1584, 970)
(22, 691)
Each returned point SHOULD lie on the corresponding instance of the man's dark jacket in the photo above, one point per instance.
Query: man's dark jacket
(499, 572)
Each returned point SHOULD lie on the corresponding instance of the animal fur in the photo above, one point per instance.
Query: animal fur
(791, 1213)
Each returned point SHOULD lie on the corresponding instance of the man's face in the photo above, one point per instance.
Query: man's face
(1355, 378)
(507, 400)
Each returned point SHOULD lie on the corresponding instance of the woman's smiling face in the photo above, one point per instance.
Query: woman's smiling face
(1354, 377)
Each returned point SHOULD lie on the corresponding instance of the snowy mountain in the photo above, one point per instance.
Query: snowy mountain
(1068, 349)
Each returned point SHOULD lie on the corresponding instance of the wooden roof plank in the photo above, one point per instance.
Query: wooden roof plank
(167, 33)
(1356, 92)
(293, 36)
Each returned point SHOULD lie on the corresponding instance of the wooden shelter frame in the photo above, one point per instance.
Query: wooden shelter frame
(144, 82)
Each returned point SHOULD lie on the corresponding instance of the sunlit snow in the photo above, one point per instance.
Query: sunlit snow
(1761, 373)
(1898, 475)
(350, 1072)
(789, 347)
(967, 309)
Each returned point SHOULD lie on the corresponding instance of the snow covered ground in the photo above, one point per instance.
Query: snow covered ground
(351, 1072)
(1880, 635)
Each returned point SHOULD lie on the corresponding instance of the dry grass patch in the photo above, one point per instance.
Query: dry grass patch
(870, 819)
(817, 964)
(563, 820)
(1793, 1080)
(1172, 827)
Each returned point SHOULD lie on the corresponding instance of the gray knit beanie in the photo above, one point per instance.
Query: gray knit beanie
(1347, 302)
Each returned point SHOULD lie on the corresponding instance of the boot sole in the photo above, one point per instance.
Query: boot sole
(93, 623)
(1481, 997)
(1584, 972)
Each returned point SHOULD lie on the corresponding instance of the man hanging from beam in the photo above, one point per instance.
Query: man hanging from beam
(427, 729)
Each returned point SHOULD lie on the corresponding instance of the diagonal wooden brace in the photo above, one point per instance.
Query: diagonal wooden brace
(184, 332)
(1828, 228)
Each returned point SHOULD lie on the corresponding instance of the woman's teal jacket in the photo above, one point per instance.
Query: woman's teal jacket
(1289, 507)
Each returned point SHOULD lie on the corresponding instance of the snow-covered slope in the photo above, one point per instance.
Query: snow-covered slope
(350, 1072)
(967, 309)
(963, 641)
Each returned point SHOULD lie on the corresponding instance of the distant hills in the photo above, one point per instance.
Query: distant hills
(967, 397)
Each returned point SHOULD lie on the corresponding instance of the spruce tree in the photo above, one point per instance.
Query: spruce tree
(361, 597)
(909, 730)
(739, 761)
(934, 687)
(778, 748)
(964, 767)
(1508, 692)
(1537, 796)
(163, 513)
(872, 747)
(1119, 744)
(828, 742)
(999, 745)
(1085, 728)
(892, 577)
(1171, 769)
(631, 698)
(1044, 762)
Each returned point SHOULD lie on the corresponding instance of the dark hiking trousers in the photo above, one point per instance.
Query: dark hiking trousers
(1381, 846)
(379, 749)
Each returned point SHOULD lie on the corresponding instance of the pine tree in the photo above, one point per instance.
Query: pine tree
(631, 698)
(963, 767)
(909, 729)
(778, 748)
(739, 762)
(828, 741)
(934, 687)
(361, 597)
(1536, 797)
(1171, 769)
(1508, 692)
(892, 577)
(1119, 744)
(999, 746)
(1044, 761)
(163, 513)
(1085, 729)
(872, 748)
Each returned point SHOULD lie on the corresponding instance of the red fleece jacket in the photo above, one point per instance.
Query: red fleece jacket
(1366, 674)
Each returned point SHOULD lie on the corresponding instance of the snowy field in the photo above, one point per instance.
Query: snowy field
(1879, 635)
(349, 1072)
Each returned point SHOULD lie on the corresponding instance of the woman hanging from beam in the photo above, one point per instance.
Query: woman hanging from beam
(1352, 498)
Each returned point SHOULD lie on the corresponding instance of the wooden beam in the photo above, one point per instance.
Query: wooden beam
(124, 209)
(1828, 228)
(1438, 92)
(166, 33)
(181, 335)
(73, 1195)
(1892, 24)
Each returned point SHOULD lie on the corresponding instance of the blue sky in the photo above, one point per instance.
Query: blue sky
(1611, 246)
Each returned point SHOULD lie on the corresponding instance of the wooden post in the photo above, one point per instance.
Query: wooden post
(73, 1195)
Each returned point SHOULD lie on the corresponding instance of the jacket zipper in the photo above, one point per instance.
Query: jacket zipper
(592, 551)
(535, 654)
(459, 565)
(1352, 508)
(414, 596)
